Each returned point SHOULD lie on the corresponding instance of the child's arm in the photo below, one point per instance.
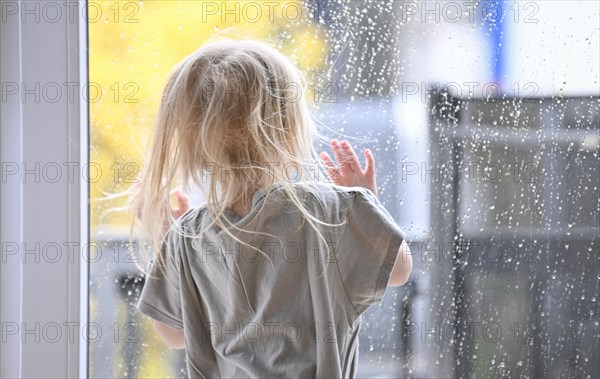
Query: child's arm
(350, 173)
(402, 267)
(170, 336)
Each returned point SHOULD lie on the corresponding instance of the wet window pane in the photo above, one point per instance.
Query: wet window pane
(484, 119)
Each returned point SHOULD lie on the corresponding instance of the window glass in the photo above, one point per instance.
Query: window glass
(483, 118)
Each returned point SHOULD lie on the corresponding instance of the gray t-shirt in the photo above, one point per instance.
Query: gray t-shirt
(296, 317)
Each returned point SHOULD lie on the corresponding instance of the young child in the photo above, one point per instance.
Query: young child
(270, 278)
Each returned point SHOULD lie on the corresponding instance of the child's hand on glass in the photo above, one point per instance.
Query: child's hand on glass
(183, 205)
(348, 172)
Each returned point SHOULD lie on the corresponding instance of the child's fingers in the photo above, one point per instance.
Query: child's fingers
(332, 171)
(183, 205)
(182, 201)
(329, 164)
(339, 155)
(370, 166)
(351, 157)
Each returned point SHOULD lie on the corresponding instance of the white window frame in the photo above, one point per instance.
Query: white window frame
(40, 293)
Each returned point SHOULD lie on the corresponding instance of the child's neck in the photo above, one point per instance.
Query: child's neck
(241, 210)
(244, 206)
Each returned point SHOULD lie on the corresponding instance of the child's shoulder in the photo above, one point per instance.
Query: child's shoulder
(329, 194)
(191, 220)
(330, 189)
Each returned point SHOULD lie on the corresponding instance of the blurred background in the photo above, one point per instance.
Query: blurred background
(484, 118)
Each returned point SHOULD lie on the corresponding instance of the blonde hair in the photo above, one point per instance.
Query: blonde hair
(234, 107)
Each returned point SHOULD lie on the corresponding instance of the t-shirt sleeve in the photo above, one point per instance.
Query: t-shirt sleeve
(161, 295)
(367, 249)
